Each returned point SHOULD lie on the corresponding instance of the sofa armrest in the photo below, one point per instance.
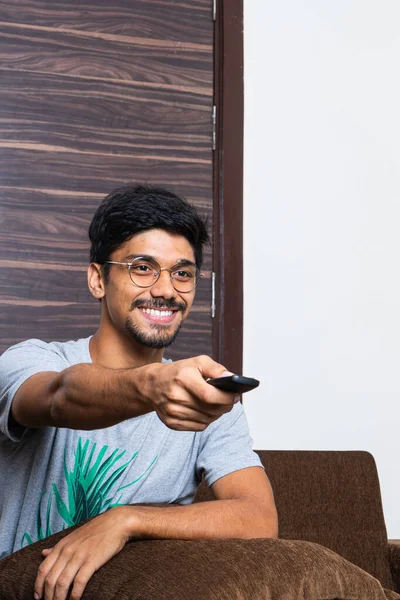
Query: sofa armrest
(394, 564)
(246, 569)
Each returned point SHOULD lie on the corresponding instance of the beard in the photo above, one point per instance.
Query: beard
(159, 337)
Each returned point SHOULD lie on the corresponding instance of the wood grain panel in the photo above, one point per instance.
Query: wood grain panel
(91, 172)
(118, 105)
(74, 202)
(94, 95)
(69, 53)
(154, 19)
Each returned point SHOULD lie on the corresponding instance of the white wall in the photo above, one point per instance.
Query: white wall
(321, 230)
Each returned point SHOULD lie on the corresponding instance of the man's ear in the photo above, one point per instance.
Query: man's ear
(96, 281)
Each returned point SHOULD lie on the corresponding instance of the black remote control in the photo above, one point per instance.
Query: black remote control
(234, 383)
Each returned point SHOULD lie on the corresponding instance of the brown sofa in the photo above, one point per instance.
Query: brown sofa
(332, 545)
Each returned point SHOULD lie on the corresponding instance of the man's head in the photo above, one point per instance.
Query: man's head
(146, 221)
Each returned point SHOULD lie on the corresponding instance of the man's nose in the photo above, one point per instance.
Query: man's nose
(163, 286)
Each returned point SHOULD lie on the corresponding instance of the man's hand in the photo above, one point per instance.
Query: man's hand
(80, 554)
(182, 398)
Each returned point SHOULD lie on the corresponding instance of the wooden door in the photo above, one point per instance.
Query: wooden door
(95, 94)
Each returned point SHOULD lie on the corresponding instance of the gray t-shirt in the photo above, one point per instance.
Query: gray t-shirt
(53, 478)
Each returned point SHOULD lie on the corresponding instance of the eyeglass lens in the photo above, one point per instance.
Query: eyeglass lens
(145, 272)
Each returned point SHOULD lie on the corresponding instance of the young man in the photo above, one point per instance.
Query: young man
(90, 428)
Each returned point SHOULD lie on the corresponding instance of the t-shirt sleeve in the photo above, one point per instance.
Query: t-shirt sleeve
(17, 364)
(226, 446)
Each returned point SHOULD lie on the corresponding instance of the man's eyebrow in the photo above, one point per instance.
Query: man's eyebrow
(145, 256)
(184, 262)
(181, 263)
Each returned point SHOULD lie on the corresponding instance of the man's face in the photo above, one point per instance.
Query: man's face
(151, 316)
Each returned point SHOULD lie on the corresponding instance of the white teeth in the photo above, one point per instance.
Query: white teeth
(157, 313)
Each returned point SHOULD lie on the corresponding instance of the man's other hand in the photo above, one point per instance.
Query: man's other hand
(182, 398)
(76, 557)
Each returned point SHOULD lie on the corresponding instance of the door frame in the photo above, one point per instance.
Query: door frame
(228, 184)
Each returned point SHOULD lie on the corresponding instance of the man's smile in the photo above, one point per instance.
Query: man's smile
(159, 315)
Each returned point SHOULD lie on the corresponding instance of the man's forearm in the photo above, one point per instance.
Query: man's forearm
(234, 518)
(88, 396)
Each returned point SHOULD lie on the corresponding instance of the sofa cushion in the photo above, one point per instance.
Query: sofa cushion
(254, 569)
(332, 498)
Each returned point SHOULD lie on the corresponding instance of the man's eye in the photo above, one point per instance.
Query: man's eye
(183, 274)
(141, 269)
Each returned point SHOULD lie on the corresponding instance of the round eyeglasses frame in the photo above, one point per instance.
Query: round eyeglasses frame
(171, 270)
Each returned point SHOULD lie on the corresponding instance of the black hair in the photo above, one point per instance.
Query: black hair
(135, 208)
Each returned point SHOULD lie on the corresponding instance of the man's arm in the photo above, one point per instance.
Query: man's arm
(88, 396)
(244, 508)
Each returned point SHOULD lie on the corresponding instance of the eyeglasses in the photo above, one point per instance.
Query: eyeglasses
(145, 271)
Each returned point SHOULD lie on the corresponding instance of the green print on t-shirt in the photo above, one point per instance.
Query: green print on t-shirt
(91, 488)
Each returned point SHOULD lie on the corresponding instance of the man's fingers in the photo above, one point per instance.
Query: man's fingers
(57, 583)
(213, 396)
(191, 420)
(179, 425)
(71, 575)
(81, 580)
(202, 412)
(43, 571)
(65, 572)
(177, 414)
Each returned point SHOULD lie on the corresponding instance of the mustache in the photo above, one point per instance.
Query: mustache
(167, 303)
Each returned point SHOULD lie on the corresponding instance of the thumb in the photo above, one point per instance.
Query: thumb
(210, 369)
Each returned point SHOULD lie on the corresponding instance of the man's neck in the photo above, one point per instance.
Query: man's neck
(109, 349)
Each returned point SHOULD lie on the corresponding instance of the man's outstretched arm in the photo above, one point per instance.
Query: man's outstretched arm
(90, 396)
(244, 508)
